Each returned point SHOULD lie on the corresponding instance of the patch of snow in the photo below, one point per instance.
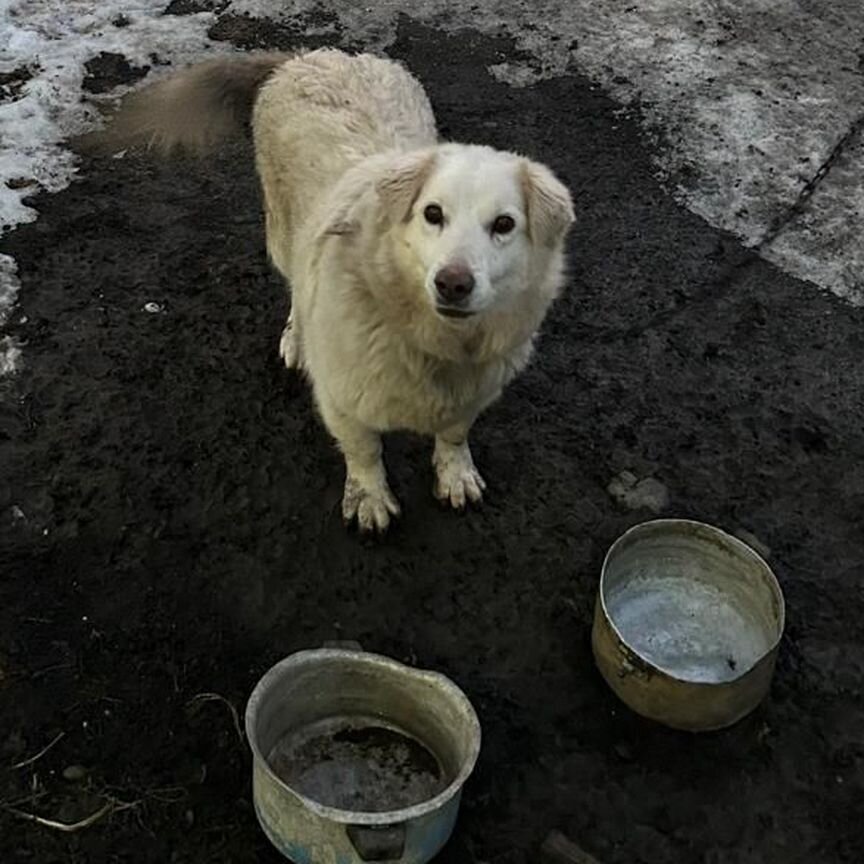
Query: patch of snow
(8, 285)
(52, 40)
(10, 355)
(9, 351)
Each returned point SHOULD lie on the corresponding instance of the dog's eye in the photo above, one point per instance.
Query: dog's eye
(433, 214)
(503, 225)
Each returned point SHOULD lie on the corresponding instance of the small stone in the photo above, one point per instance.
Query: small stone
(626, 479)
(153, 308)
(20, 182)
(625, 752)
(559, 849)
(74, 773)
(754, 543)
(189, 816)
(634, 494)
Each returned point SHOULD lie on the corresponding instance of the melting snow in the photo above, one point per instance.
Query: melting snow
(46, 44)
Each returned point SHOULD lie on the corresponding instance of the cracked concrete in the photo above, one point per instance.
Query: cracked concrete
(746, 99)
(800, 205)
(825, 237)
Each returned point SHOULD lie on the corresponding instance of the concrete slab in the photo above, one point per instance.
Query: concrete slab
(825, 240)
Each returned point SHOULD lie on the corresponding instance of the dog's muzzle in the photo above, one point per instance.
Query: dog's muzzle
(453, 286)
(454, 312)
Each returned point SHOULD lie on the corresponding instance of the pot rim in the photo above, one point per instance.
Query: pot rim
(731, 540)
(359, 817)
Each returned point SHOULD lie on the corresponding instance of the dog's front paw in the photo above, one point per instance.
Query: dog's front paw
(457, 479)
(371, 505)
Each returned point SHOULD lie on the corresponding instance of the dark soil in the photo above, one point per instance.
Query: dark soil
(314, 29)
(170, 521)
(108, 70)
(189, 7)
(12, 82)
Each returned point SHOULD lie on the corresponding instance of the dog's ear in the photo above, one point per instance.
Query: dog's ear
(403, 182)
(548, 204)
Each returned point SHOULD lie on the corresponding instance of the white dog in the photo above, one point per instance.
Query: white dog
(419, 271)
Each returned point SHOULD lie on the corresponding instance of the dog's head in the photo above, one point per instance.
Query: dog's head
(476, 227)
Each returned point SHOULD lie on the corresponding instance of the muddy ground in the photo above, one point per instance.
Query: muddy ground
(170, 520)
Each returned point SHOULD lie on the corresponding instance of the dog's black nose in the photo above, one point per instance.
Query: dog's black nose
(454, 283)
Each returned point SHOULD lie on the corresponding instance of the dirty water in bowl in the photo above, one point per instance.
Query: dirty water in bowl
(357, 764)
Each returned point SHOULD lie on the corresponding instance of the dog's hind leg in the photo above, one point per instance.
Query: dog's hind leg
(368, 498)
(457, 480)
(289, 344)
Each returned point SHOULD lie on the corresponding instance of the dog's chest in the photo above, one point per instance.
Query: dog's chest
(427, 396)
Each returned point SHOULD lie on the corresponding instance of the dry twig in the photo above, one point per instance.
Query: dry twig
(24, 763)
(111, 806)
(215, 697)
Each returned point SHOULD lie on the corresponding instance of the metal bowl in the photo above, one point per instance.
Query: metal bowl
(687, 624)
(357, 757)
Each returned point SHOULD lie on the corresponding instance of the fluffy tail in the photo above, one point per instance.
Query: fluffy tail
(191, 110)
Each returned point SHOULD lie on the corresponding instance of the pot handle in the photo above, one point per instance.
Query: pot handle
(372, 842)
(377, 842)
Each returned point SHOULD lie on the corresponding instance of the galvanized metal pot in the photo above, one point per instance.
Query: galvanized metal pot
(321, 685)
(687, 624)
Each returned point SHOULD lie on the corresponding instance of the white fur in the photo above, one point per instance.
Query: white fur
(348, 157)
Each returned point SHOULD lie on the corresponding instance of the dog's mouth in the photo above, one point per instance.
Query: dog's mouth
(453, 312)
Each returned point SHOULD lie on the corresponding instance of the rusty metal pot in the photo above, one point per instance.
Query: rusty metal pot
(687, 624)
(357, 757)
